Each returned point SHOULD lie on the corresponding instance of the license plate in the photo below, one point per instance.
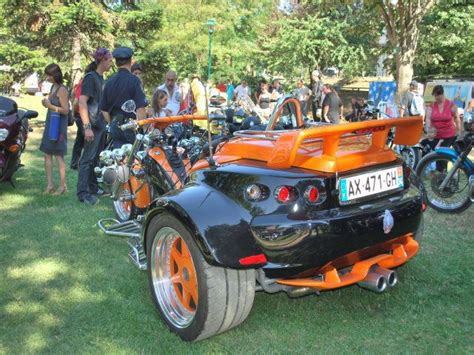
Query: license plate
(371, 183)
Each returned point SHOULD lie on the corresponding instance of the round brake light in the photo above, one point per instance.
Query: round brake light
(311, 194)
(283, 194)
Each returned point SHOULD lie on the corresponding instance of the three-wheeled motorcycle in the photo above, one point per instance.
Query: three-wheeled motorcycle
(301, 210)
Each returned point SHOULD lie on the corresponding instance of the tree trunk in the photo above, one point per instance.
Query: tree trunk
(404, 72)
(76, 60)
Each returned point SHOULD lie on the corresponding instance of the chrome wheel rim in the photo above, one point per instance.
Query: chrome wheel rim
(174, 277)
(123, 208)
(409, 157)
(457, 189)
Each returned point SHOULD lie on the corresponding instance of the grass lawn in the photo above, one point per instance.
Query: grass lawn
(67, 288)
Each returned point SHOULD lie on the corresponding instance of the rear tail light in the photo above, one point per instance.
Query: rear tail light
(311, 194)
(407, 171)
(285, 194)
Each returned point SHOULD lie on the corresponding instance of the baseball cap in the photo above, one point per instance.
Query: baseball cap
(122, 53)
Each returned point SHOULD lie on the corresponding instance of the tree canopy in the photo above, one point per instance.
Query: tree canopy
(251, 38)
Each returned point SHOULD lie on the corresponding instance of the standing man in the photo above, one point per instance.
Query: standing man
(316, 89)
(93, 124)
(242, 90)
(174, 93)
(412, 102)
(303, 94)
(199, 93)
(332, 105)
(230, 91)
(121, 87)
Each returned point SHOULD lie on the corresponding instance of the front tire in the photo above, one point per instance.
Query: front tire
(195, 300)
(125, 209)
(432, 170)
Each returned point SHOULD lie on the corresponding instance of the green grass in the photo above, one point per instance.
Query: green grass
(67, 288)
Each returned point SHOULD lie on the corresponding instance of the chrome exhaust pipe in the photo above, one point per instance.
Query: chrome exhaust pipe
(374, 282)
(389, 275)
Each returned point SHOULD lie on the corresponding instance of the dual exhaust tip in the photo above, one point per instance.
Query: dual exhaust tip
(379, 279)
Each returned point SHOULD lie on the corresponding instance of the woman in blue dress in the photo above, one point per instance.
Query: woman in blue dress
(55, 145)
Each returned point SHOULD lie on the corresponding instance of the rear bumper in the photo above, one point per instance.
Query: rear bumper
(299, 247)
(399, 251)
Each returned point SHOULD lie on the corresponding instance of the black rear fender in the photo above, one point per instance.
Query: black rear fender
(219, 226)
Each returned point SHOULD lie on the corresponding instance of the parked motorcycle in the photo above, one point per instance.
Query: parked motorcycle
(14, 131)
(448, 176)
(155, 164)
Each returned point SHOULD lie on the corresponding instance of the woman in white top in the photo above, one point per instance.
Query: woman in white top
(158, 104)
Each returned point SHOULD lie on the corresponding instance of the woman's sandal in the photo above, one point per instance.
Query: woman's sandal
(60, 191)
(49, 190)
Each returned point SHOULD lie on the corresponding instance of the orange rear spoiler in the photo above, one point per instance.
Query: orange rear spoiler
(287, 147)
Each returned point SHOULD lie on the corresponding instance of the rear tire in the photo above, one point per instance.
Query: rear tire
(195, 300)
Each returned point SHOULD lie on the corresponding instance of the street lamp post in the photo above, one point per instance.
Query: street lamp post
(211, 25)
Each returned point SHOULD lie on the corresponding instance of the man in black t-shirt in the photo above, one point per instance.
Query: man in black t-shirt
(94, 126)
(121, 87)
(332, 105)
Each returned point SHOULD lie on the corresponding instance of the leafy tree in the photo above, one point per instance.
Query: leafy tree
(446, 42)
(402, 20)
(315, 35)
(234, 48)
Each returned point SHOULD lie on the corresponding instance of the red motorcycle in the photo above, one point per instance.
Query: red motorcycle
(14, 131)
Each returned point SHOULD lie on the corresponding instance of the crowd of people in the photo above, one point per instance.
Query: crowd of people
(98, 103)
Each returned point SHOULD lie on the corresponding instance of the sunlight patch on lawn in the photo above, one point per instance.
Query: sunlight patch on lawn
(76, 294)
(20, 307)
(12, 201)
(35, 342)
(39, 272)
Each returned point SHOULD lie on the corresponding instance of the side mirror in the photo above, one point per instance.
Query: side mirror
(129, 106)
(30, 114)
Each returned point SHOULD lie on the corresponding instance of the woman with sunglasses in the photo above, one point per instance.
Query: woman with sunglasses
(443, 116)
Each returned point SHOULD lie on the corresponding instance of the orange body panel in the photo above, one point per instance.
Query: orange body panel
(400, 252)
(141, 191)
(321, 148)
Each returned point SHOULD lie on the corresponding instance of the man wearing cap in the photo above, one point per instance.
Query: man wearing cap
(174, 92)
(121, 87)
(413, 103)
(94, 125)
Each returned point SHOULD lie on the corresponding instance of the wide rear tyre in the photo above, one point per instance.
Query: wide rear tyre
(432, 170)
(195, 300)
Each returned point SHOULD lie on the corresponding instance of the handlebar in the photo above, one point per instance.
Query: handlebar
(129, 125)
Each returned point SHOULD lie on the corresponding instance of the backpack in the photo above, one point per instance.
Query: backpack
(77, 94)
(416, 106)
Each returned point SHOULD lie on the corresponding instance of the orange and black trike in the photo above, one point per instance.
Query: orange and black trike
(299, 207)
